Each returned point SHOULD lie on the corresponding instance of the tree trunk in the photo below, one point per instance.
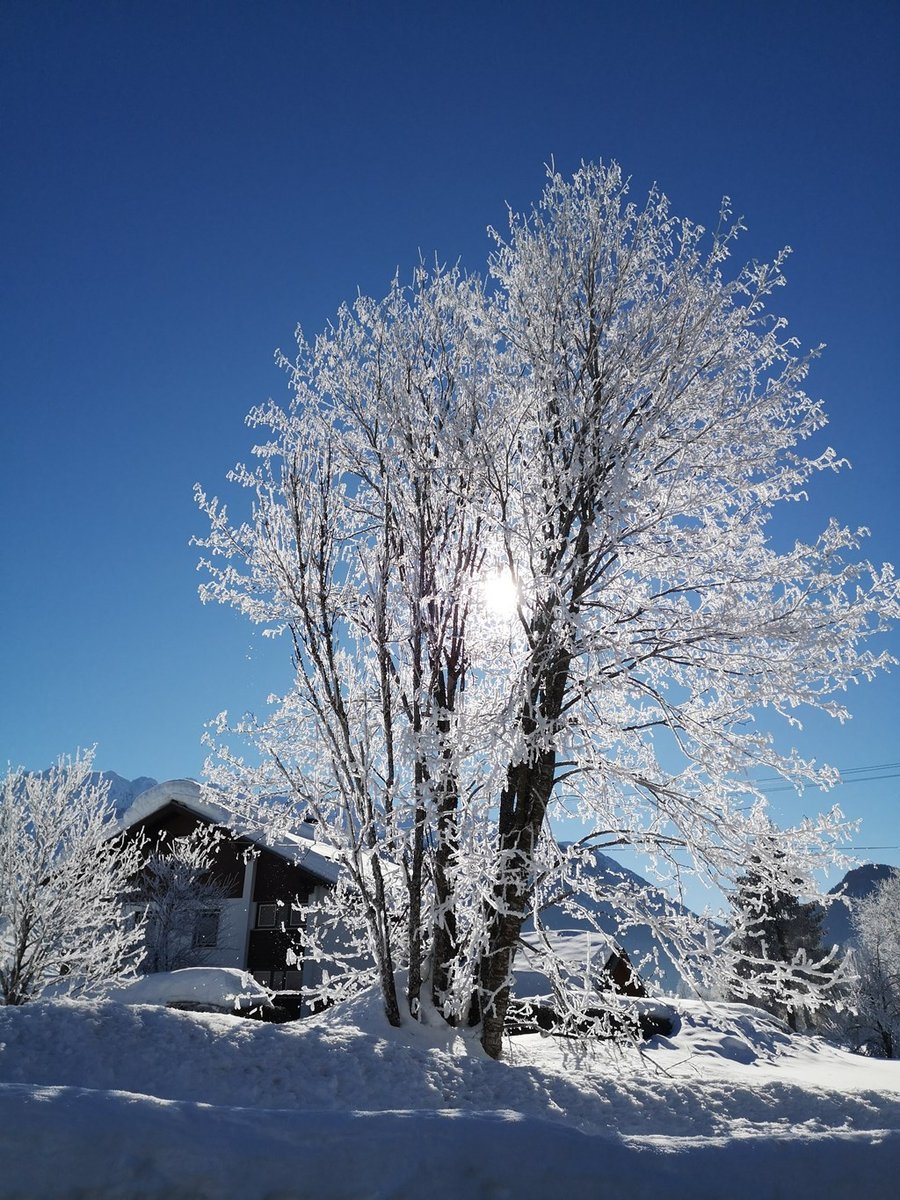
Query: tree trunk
(522, 808)
(414, 885)
(449, 679)
(444, 933)
(376, 916)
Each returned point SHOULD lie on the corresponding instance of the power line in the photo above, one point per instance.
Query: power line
(807, 787)
(888, 766)
(777, 783)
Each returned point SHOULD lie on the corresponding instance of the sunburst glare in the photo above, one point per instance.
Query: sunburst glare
(501, 594)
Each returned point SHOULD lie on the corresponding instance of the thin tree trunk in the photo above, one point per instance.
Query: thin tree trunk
(414, 885)
(376, 915)
(444, 932)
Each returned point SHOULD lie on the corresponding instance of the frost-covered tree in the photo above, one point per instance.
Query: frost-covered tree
(876, 991)
(182, 899)
(517, 535)
(778, 960)
(63, 882)
(374, 560)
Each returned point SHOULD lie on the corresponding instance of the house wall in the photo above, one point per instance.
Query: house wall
(275, 954)
(335, 941)
(173, 821)
(230, 947)
(312, 971)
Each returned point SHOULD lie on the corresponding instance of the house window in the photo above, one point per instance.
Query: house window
(280, 980)
(274, 916)
(206, 931)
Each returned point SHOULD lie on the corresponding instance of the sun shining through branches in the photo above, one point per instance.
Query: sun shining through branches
(500, 595)
(617, 414)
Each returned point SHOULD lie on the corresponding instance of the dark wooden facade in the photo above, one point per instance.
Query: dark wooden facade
(161, 828)
(275, 949)
(264, 918)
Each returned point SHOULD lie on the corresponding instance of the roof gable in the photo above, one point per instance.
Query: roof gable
(316, 858)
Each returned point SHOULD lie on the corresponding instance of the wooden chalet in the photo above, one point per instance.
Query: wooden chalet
(259, 926)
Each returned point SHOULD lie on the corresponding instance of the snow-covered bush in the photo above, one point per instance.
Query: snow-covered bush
(222, 989)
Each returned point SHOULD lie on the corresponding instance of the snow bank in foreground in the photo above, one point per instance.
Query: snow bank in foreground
(118, 1102)
(113, 1145)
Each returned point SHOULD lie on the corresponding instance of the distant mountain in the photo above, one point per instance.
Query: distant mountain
(123, 792)
(856, 885)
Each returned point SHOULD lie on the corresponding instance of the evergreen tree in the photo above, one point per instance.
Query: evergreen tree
(779, 960)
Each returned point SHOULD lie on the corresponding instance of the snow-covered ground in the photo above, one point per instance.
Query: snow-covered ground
(107, 1100)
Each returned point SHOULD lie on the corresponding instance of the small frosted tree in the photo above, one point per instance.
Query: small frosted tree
(601, 433)
(64, 923)
(178, 893)
(876, 991)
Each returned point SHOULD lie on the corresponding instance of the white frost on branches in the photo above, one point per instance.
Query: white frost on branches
(64, 924)
(876, 993)
(608, 422)
(175, 891)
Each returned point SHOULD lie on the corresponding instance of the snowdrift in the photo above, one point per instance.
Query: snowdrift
(123, 1101)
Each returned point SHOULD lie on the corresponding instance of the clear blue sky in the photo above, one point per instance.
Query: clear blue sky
(183, 183)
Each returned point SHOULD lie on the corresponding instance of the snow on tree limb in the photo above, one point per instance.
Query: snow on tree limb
(876, 989)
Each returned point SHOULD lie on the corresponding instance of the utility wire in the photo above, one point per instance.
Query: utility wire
(881, 766)
(888, 766)
(777, 783)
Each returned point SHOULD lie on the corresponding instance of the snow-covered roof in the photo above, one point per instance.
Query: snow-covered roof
(317, 858)
(183, 791)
